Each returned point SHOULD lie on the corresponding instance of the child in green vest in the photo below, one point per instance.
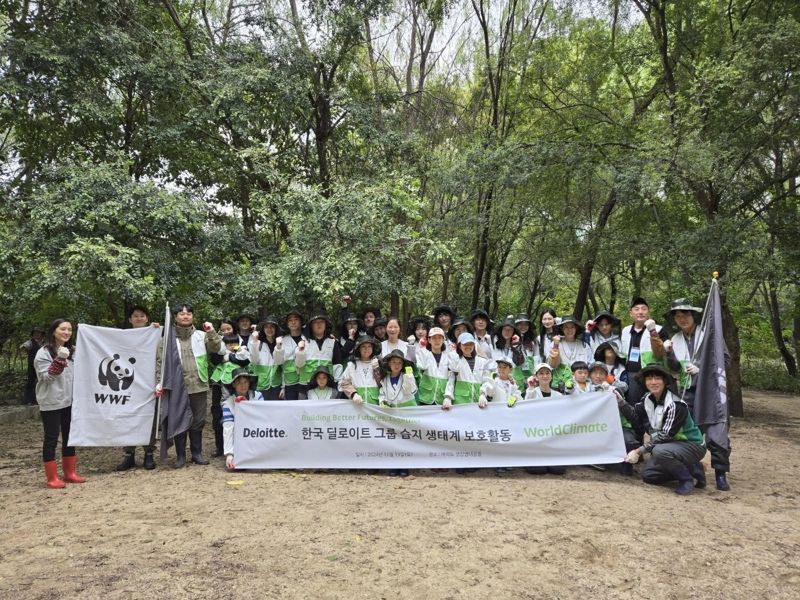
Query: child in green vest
(237, 356)
(361, 379)
(434, 369)
(264, 363)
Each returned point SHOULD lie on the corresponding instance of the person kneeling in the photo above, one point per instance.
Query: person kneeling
(239, 390)
(676, 443)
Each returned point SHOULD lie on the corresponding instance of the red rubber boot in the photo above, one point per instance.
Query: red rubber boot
(68, 464)
(51, 472)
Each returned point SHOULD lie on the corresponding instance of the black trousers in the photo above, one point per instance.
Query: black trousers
(216, 409)
(297, 391)
(720, 457)
(55, 421)
(271, 393)
(198, 402)
(30, 390)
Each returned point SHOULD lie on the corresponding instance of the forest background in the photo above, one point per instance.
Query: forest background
(510, 155)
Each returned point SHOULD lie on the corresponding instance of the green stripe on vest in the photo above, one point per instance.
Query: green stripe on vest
(562, 374)
(290, 374)
(431, 389)
(466, 392)
(224, 373)
(625, 423)
(268, 376)
(519, 375)
(690, 432)
(684, 379)
(370, 395)
(311, 365)
(647, 358)
(202, 367)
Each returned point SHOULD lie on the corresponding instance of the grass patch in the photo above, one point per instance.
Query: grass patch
(769, 375)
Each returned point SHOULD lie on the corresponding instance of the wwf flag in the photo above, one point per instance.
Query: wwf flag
(711, 399)
(175, 412)
(115, 377)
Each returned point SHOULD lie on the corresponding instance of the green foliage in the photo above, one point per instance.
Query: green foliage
(260, 158)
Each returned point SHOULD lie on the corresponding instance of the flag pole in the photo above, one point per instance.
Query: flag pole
(167, 325)
(704, 320)
(700, 331)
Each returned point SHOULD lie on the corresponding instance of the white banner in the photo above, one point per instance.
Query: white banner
(574, 430)
(113, 400)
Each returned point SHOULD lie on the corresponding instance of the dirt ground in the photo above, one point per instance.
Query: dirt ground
(189, 534)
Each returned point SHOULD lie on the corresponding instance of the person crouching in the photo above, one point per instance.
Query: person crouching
(676, 444)
(241, 389)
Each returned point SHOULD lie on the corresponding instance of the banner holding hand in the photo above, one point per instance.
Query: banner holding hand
(115, 377)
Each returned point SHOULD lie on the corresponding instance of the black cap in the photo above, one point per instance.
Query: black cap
(683, 304)
(367, 339)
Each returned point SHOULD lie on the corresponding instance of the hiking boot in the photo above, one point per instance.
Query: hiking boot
(722, 481)
(128, 462)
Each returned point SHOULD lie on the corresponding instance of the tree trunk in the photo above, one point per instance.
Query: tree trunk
(734, 370)
(592, 249)
(796, 322)
(612, 299)
(773, 308)
(482, 246)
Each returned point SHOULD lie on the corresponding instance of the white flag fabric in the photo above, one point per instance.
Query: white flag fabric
(571, 430)
(113, 401)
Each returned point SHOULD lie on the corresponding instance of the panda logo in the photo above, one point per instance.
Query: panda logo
(115, 373)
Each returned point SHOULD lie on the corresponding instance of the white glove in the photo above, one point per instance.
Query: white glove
(650, 325)
(301, 347)
(411, 339)
(229, 462)
(557, 321)
(159, 390)
(374, 363)
(278, 342)
(62, 352)
(668, 346)
(618, 396)
(208, 327)
(482, 402)
(243, 353)
(447, 404)
(357, 399)
(692, 369)
(633, 457)
(605, 385)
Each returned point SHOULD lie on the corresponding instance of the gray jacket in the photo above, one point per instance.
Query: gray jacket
(53, 391)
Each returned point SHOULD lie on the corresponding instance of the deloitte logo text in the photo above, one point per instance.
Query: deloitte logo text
(567, 429)
(259, 432)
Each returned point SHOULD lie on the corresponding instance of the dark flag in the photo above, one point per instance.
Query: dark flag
(176, 414)
(711, 398)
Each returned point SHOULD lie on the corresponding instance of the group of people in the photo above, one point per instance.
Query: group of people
(440, 359)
